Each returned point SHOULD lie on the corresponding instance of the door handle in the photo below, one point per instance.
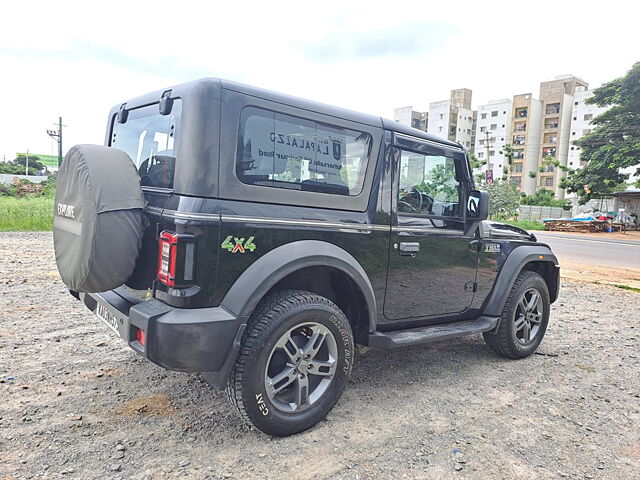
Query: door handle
(409, 248)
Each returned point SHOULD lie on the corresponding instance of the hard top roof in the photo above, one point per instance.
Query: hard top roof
(202, 85)
(332, 111)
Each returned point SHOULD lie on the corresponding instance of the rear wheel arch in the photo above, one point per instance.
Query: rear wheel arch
(314, 266)
(335, 285)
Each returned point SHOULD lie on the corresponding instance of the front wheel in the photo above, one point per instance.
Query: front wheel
(294, 363)
(524, 318)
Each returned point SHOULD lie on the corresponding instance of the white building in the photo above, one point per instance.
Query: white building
(493, 128)
(409, 117)
(581, 115)
(453, 119)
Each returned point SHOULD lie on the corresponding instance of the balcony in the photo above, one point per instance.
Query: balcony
(553, 109)
(550, 138)
(518, 154)
(519, 140)
(521, 127)
(521, 112)
(549, 152)
(551, 125)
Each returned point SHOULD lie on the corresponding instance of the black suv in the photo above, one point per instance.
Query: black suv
(256, 237)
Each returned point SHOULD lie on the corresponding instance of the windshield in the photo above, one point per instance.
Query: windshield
(149, 139)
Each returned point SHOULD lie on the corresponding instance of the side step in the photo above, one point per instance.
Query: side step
(431, 333)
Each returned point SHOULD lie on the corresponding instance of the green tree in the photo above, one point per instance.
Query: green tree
(475, 163)
(613, 144)
(507, 151)
(504, 199)
(34, 162)
(13, 168)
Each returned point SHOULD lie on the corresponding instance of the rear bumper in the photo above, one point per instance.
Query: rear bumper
(181, 339)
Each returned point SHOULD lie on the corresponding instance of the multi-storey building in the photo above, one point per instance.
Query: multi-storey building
(409, 117)
(581, 115)
(454, 119)
(557, 97)
(493, 129)
(524, 136)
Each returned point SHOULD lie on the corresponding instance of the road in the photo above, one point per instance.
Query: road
(593, 251)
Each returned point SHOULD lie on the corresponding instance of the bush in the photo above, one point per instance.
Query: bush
(544, 198)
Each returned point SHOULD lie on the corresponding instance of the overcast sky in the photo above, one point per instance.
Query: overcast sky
(77, 59)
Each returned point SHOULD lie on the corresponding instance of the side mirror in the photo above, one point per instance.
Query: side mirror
(477, 206)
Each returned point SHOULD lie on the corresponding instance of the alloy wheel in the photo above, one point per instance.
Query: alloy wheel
(528, 316)
(301, 367)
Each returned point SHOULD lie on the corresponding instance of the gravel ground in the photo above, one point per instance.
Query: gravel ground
(77, 403)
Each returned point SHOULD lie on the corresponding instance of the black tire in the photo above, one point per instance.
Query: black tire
(510, 339)
(291, 314)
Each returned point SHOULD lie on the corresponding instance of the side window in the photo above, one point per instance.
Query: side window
(282, 151)
(428, 185)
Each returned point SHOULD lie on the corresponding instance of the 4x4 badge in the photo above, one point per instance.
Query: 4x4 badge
(238, 245)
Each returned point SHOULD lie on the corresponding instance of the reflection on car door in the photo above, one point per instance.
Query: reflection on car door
(432, 265)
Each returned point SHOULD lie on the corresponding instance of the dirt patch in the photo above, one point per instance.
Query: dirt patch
(612, 277)
(159, 404)
(449, 410)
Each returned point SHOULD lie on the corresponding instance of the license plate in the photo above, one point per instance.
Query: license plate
(108, 318)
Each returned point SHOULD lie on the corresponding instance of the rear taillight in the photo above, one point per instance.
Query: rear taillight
(176, 259)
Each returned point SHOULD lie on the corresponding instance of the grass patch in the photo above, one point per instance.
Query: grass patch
(31, 213)
(526, 224)
(626, 287)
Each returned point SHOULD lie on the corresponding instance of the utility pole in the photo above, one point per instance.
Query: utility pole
(486, 142)
(57, 135)
(26, 164)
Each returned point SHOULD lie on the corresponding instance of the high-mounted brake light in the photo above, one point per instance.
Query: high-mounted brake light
(176, 259)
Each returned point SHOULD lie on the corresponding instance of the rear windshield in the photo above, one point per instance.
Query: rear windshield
(150, 140)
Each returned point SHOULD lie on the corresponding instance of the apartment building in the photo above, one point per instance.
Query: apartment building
(557, 96)
(409, 117)
(454, 119)
(581, 115)
(493, 131)
(525, 136)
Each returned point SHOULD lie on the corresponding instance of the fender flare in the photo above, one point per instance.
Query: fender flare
(512, 267)
(254, 283)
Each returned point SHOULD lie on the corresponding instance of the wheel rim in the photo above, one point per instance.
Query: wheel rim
(528, 316)
(301, 367)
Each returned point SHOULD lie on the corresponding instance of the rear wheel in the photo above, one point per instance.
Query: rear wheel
(294, 363)
(524, 318)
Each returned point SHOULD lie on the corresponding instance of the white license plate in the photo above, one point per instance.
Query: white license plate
(108, 318)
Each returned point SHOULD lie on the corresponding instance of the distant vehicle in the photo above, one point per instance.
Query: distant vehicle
(257, 237)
